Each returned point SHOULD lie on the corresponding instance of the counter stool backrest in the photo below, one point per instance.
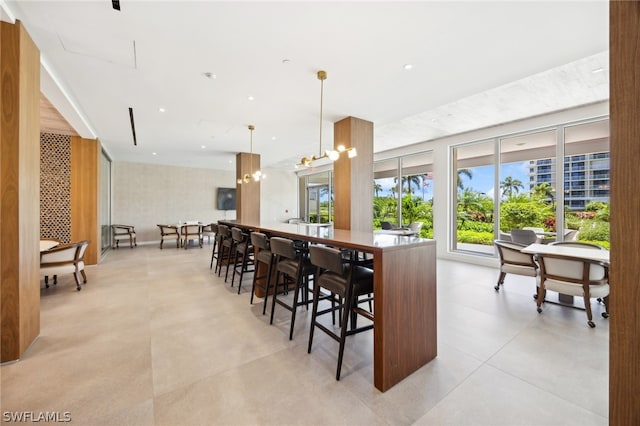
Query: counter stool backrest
(283, 247)
(260, 240)
(237, 235)
(328, 258)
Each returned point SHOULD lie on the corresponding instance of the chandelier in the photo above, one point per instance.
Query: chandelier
(257, 175)
(332, 155)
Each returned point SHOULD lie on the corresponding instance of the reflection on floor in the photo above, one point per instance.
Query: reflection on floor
(154, 338)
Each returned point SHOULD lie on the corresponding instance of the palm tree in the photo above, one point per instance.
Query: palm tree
(468, 173)
(409, 180)
(544, 190)
(377, 188)
(510, 185)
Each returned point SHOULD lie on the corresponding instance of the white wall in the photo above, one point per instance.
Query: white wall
(278, 196)
(145, 195)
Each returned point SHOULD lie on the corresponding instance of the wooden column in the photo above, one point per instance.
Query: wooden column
(624, 300)
(247, 193)
(85, 160)
(19, 191)
(353, 177)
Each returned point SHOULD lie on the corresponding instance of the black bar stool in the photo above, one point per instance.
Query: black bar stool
(216, 240)
(264, 255)
(292, 263)
(224, 247)
(244, 255)
(346, 280)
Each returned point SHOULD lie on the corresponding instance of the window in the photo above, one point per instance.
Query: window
(403, 192)
(524, 186)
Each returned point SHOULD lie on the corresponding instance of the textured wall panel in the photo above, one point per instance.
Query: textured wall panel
(55, 186)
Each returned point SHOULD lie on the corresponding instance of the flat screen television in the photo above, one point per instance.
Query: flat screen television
(226, 199)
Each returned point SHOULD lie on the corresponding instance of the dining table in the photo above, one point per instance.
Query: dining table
(569, 251)
(404, 289)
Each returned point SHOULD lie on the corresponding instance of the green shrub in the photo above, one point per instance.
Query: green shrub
(594, 231)
(519, 215)
(472, 237)
(472, 225)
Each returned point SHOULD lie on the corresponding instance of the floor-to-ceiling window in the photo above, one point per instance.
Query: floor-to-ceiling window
(527, 182)
(560, 200)
(403, 192)
(317, 200)
(586, 182)
(474, 188)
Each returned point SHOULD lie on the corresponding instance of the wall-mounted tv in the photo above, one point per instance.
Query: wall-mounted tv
(226, 199)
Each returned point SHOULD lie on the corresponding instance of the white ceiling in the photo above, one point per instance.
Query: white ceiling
(475, 64)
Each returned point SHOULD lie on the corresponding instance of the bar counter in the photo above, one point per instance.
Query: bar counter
(405, 328)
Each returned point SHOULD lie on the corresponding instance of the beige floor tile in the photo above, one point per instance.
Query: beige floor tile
(156, 338)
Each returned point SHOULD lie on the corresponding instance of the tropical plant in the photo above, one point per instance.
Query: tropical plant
(377, 188)
(409, 181)
(466, 172)
(510, 186)
(544, 191)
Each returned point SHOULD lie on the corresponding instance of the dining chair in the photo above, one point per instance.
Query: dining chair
(513, 261)
(209, 231)
(576, 277)
(64, 259)
(416, 227)
(293, 266)
(344, 282)
(524, 236)
(191, 233)
(577, 244)
(169, 232)
(124, 232)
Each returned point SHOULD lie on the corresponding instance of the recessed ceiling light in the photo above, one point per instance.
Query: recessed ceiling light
(407, 66)
(251, 98)
(202, 146)
(597, 70)
(286, 61)
(161, 109)
(273, 138)
(153, 153)
(210, 75)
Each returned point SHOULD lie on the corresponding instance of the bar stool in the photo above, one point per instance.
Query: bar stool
(243, 257)
(292, 262)
(264, 255)
(348, 282)
(224, 247)
(216, 240)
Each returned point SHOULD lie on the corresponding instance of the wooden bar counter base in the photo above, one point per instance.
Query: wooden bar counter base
(404, 285)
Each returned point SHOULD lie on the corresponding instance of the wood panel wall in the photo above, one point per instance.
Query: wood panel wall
(85, 161)
(624, 328)
(353, 177)
(247, 194)
(19, 191)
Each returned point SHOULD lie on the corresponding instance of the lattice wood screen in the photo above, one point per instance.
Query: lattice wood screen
(55, 186)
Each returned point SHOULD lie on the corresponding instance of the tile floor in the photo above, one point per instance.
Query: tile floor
(154, 338)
